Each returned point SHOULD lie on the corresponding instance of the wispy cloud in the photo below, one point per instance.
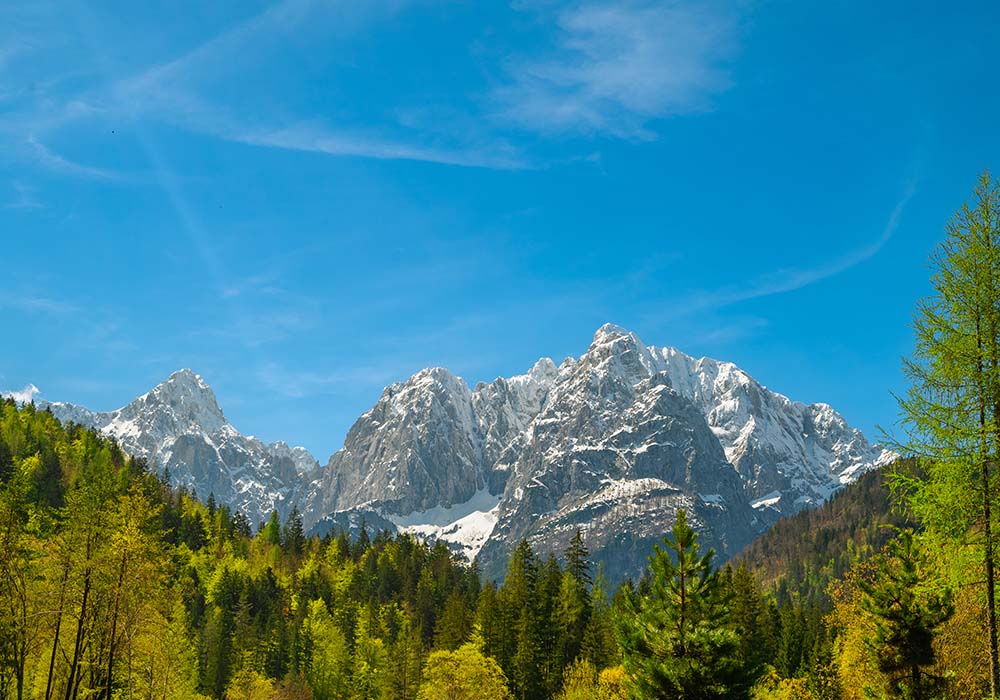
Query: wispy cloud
(617, 66)
(169, 92)
(319, 139)
(24, 197)
(278, 18)
(53, 161)
(791, 279)
(25, 395)
(35, 303)
(730, 331)
(612, 69)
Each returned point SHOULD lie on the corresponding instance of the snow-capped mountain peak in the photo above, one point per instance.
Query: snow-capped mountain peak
(612, 442)
(182, 404)
(560, 447)
(178, 426)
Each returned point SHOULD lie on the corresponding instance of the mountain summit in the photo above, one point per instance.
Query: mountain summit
(179, 426)
(612, 442)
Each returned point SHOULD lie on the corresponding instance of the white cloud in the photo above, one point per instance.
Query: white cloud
(54, 161)
(319, 139)
(617, 66)
(789, 280)
(612, 69)
(174, 92)
(298, 384)
(25, 395)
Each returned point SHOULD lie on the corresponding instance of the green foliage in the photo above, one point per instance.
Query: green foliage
(581, 681)
(677, 638)
(801, 555)
(951, 410)
(113, 585)
(774, 687)
(272, 531)
(908, 610)
(463, 674)
(327, 655)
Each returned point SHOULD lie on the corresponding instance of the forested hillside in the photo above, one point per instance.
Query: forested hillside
(800, 556)
(114, 585)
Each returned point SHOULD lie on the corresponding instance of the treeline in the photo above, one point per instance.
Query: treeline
(116, 585)
(800, 556)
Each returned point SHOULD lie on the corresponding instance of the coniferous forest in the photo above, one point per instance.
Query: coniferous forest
(113, 584)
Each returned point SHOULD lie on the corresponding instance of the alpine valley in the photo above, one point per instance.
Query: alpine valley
(612, 443)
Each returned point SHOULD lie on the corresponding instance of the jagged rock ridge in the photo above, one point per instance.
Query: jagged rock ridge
(179, 426)
(612, 442)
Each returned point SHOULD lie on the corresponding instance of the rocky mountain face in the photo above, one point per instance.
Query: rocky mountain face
(179, 426)
(612, 443)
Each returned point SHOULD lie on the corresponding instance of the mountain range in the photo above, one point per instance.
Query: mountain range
(612, 443)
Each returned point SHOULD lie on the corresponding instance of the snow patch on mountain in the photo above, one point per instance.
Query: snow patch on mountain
(617, 438)
(178, 426)
(612, 442)
(467, 525)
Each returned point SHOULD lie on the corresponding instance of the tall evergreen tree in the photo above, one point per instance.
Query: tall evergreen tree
(577, 559)
(293, 537)
(752, 618)
(519, 607)
(907, 614)
(951, 412)
(272, 531)
(454, 624)
(677, 640)
(599, 645)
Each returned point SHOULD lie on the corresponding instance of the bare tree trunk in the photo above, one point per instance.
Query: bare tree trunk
(991, 611)
(71, 687)
(992, 396)
(59, 616)
(114, 625)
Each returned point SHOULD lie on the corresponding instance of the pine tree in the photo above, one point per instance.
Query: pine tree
(676, 638)
(752, 618)
(522, 646)
(455, 623)
(599, 644)
(907, 614)
(241, 526)
(293, 537)
(272, 531)
(406, 662)
(951, 412)
(577, 559)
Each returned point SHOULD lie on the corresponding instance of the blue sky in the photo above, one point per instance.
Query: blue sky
(305, 201)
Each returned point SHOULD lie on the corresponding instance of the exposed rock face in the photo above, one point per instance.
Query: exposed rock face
(179, 426)
(612, 442)
(781, 448)
(617, 460)
(419, 447)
